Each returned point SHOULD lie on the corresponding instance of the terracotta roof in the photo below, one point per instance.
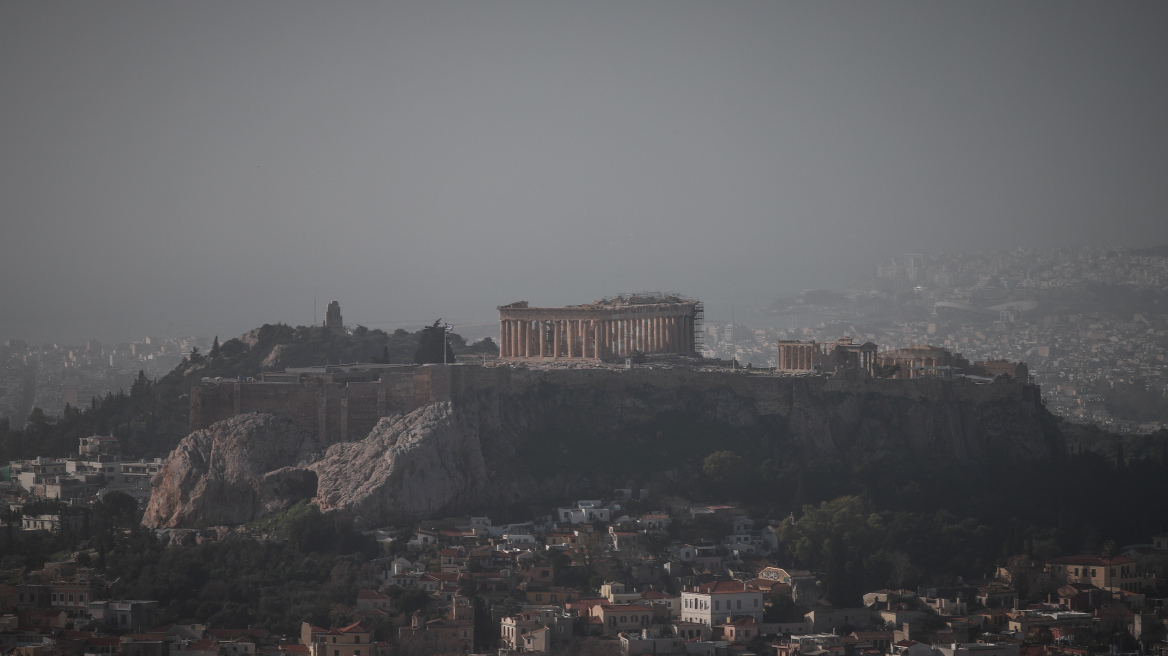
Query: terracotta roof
(237, 633)
(145, 637)
(1092, 560)
(620, 607)
(370, 594)
(721, 587)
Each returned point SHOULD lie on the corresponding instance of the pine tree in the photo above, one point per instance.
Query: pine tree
(430, 345)
(215, 348)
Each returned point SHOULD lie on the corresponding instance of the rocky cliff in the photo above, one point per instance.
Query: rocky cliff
(549, 436)
(237, 470)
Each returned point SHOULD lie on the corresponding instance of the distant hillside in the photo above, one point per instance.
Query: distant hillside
(1160, 250)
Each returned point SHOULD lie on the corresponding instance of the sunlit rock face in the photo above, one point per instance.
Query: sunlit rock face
(235, 471)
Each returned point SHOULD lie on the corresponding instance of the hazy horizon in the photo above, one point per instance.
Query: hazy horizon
(204, 168)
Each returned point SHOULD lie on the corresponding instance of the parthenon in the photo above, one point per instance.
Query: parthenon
(611, 328)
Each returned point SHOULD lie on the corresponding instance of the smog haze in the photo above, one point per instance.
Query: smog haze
(204, 168)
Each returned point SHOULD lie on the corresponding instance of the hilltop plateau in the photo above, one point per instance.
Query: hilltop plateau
(502, 437)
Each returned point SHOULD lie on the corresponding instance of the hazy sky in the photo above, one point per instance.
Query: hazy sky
(174, 168)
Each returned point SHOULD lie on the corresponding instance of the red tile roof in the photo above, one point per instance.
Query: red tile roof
(1092, 560)
(721, 587)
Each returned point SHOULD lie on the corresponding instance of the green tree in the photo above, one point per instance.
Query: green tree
(433, 346)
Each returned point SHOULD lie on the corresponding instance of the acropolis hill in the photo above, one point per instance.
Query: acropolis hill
(392, 443)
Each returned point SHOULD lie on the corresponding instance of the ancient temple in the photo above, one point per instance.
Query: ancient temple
(611, 328)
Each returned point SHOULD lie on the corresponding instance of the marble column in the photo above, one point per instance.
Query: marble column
(558, 336)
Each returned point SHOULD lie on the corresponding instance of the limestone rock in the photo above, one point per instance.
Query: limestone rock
(235, 471)
(409, 467)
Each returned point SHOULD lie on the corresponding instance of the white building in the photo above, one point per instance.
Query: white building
(977, 649)
(711, 604)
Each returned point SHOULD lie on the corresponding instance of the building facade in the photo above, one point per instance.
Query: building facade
(611, 328)
(714, 603)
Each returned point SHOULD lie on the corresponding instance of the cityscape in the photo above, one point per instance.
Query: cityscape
(592, 328)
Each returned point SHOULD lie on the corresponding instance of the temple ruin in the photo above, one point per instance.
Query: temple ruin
(812, 356)
(611, 328)
(913, 361)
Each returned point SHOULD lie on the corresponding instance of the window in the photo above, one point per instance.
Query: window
(612, 620)
(739, 603)
(717, 605)
(357, 641)
(1092, 571)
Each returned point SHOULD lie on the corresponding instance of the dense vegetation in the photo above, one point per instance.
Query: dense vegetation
(317, 562)
(154, 415)
(892, 519)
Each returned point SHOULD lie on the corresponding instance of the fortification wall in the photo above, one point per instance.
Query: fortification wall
(336, 411)
(348, 411)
